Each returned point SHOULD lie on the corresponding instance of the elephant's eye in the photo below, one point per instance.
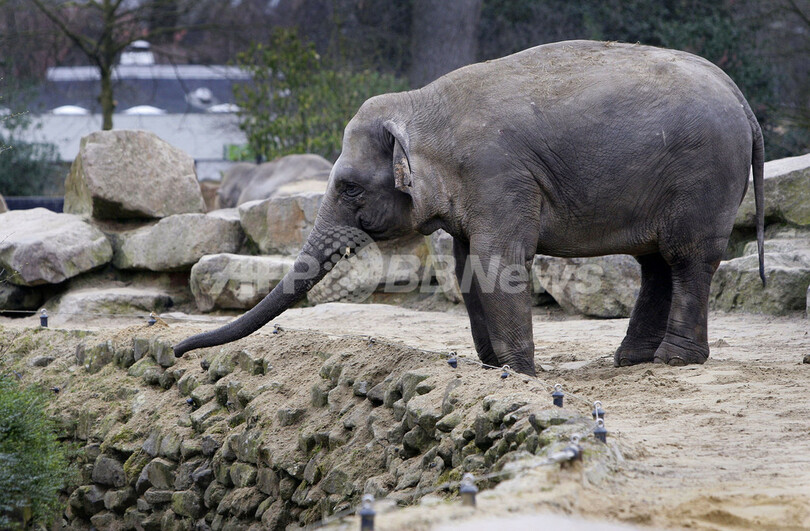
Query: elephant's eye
(352, 190)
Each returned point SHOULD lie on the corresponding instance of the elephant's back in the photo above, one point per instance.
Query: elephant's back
(575, 72)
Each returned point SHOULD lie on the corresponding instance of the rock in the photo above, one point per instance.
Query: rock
(243, 474)
(243, 502)
(449, 421)
(235, 281)
(233, 183)
(271, 178)
(38, 246)
(95, 357)
(444, 264)
(417, 441)
(160, 473)
(118, 500)
(131, 174)
(87, 500)
(412, 384)
(187, 503)
(176, 242)
(222, 364)
(109, 472)
(736, 284)
(602, 286)
(422, 411)
(250, 362)
(787, 194)
(41, 361)
(202, 394)
(210, 445)
(287, 416)
(77, 304)
(206, 415)
(280, 225)
(170, 446)
(335, 482)
(155, 496)
(379, 486)
(214, 494)
(103, 520)
(267, 481)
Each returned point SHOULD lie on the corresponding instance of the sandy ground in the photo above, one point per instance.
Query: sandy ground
(725, 445)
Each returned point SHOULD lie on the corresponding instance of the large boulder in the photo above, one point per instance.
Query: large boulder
(108, 300)
(131, 174)
(233, 182)
(270, 177)
(787, 194)
(248, 182)
(602, 286)
(280, 225)
(38, 246)
(736, 285)
(177, 242)
(236, 281)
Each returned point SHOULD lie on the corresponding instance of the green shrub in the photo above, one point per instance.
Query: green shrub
(33, 466)
(299, 101)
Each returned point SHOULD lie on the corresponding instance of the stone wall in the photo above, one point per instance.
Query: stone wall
(284, 430)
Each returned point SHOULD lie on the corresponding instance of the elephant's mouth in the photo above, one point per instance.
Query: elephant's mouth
(373, 225)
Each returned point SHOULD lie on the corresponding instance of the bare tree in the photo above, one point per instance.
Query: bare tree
(102, 29)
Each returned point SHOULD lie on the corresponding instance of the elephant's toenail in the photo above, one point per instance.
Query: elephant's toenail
(624, 362)
(677, 362)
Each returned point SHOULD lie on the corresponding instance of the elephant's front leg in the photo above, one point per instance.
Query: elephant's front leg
(497, 293)
(472, 300)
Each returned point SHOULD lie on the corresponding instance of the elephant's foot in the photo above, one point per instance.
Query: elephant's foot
(488, 357)
(633, 351)
(679, 351)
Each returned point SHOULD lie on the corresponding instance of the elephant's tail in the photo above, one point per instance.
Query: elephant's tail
(758, 166)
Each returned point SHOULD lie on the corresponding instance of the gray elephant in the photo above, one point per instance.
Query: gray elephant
(570, 149)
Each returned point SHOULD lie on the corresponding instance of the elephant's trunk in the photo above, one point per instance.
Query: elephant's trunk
(315, 260)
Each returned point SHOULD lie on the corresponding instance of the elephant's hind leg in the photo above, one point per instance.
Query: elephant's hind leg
(648, 322)
(686, 340)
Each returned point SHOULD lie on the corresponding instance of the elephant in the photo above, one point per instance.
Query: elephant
(570, 149)
(249, 182)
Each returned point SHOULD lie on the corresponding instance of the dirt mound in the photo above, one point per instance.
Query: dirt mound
(717, 446)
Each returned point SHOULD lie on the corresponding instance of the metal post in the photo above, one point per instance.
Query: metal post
(600, 432)
(468, 490)
(367, 513)
(557, 395)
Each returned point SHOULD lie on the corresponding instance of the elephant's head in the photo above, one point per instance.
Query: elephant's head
(368, 198)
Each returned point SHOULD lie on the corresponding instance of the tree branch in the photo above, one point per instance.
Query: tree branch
(87, 45)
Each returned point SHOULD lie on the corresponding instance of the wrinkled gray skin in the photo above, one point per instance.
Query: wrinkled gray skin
(569, 149)
(249, 182)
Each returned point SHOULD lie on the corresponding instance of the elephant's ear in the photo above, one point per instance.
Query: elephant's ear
(401, 157)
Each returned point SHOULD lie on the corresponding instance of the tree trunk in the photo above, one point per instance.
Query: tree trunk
(106, 98)
(106, 61)
(444, 36)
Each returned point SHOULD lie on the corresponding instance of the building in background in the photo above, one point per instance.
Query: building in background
(188, 106)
